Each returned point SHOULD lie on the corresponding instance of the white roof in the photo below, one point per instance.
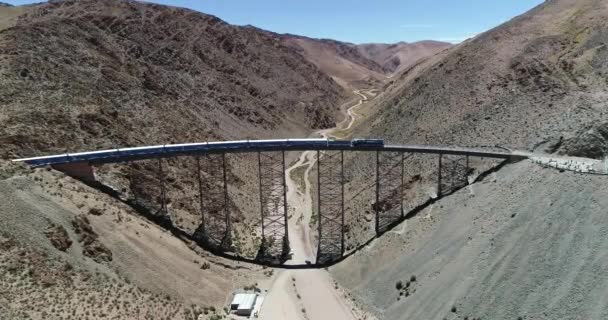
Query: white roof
(248, 302)
(237, 298)
(245, 301)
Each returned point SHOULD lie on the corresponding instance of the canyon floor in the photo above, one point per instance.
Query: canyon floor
(309, 294)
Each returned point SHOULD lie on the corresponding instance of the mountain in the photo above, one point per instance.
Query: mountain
(90, 75)
(522, 242)
(99, 74)
(342, 61)
(525, 241)
(400, 56)
(87, 75)
(508, 86)
(361, 66)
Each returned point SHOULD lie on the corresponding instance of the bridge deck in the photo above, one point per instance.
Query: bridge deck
(165, 151)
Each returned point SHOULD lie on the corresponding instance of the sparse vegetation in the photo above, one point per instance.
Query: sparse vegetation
(52, 289)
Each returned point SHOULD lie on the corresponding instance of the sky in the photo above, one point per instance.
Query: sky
(358, 21)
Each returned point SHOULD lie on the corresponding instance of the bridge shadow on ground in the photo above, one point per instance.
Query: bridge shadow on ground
(165, 223)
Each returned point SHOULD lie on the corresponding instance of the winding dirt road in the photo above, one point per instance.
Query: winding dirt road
(308, 294)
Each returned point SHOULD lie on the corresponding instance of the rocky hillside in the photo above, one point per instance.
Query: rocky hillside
(68, 251)
(400, 56)
(99, 74)
(526, 243)
(536, 83)
(524, 84)
(90, 75)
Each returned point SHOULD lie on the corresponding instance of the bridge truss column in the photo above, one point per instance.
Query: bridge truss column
(389, 189)
(453, 173)
(273, 204)
(330, 188)
(215, 228)
(162, 215)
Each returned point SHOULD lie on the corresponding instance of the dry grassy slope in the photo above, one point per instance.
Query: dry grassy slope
(150, 271)
(400, 56)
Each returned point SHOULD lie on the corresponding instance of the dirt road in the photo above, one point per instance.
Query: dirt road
(308, 294)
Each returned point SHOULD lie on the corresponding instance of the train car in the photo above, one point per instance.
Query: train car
(306, 143)
(277, 143)
(339, 144)
(141, 151)
(186, 147)
(93, 155)
(367, 143)
(128, 154)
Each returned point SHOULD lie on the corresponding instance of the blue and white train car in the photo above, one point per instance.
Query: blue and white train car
(158, 151)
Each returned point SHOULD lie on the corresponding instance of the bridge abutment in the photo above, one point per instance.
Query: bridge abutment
(79, 170)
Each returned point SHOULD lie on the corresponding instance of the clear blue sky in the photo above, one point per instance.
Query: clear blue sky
(361, 21)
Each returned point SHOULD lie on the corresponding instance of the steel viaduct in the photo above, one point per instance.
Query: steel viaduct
(215, 228)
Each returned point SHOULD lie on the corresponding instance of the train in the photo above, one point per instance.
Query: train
(139, 153)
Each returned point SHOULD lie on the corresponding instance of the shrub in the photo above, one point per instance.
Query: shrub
(95, 212)
(399, 285)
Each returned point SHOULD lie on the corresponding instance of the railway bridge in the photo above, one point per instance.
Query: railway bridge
(214, 230)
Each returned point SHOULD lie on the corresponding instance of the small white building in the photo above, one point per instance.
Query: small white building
(243, 303)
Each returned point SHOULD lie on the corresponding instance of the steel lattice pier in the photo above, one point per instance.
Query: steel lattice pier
(330, 205)
(389, 189)
(215, 228)
(273, 204)
(453, 173)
